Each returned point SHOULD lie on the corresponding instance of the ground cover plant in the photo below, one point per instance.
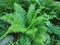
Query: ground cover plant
(29, 22)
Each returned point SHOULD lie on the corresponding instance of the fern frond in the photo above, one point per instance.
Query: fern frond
(8, 17)
(30, 13)
(20, 13)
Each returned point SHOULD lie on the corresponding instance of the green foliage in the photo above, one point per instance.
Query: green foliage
(23, 41)
(31, 21)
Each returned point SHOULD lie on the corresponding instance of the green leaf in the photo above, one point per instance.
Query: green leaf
(20, 13)
(39, 39)
(17, 28)
(8, 17)
(30, 13)
(18, 8)
(53, 29)
(32, 32)
(41, 20)
(14, 28)
(56, 3)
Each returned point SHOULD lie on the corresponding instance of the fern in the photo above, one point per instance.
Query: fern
(18, 21)
(34, 25)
